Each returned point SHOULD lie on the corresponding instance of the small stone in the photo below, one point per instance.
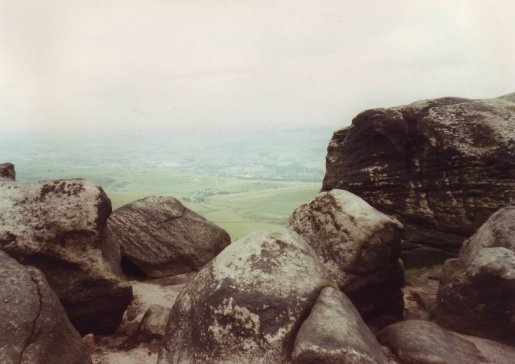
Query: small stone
(89, 342)
(153, 323)
(7, 172)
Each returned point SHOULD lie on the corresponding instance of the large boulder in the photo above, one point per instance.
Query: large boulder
(424, 342)
(33, 325)
(246, 305)
(335, 333)
(7, 172)
(161, 237)
(359, 247)
(441, 166)
(477, 290)
(59, 227)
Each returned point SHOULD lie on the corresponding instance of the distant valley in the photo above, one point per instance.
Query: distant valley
(242, 181)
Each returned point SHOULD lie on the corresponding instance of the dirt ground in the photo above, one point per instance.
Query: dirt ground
(420, 292)
(118, 348)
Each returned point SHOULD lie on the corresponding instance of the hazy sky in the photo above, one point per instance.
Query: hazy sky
(151, 64)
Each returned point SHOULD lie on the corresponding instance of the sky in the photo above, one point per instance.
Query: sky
(239, 64)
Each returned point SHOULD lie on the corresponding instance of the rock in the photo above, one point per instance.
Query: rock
(335, 333)
(359, 247)
(425, 301)
(153, 323)
(494, 352)
(424, 342)
(477, 290)
(246, 305)
(89, 343)
(7, 172)
(392, 358)
(442, 167)
(33, 326)
(161, 237)
(59, 227)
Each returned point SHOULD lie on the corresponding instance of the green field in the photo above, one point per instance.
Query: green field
(244, 206)
(238, 205)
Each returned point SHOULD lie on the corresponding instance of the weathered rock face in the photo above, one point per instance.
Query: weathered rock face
(359, 247)
(246, 305)
(59, 227)
(335, 333)
(424, 342)
(33, 325)
(494, 352)
(7, 172)
(477, 290)
(161, 237)
(441, 166)
(153, 323)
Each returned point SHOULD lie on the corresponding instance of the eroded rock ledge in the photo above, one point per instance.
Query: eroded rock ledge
(441, 166)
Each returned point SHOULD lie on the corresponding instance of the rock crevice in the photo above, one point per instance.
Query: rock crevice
(30, 339)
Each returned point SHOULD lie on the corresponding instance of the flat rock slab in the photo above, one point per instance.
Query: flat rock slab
(442, 167)
(34, 327)
(59, 227)
(335, 333)
(161, 237)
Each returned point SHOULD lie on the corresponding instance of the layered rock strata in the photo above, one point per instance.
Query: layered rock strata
(160, 237)
(441, 166)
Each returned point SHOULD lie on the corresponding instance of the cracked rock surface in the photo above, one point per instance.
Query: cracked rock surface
(441, 166)
(59, 227)
(34, 327)
(161, 237)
